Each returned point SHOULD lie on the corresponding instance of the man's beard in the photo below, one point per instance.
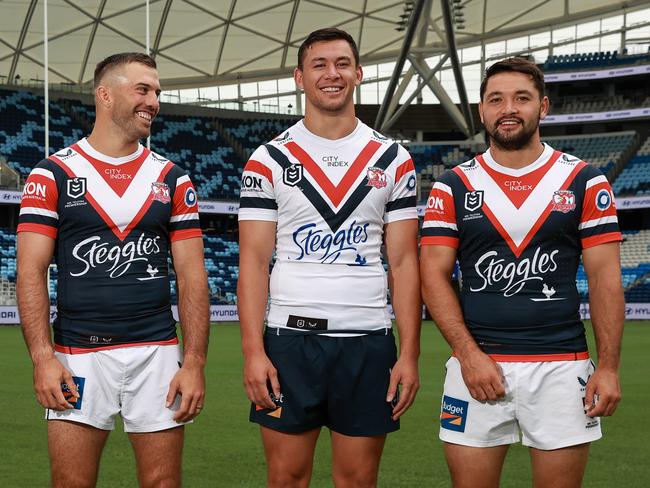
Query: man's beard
(128, 122)
(517, 141)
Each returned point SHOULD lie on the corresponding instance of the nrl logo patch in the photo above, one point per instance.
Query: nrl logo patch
(160, 192)
(563, 201)
(292, 175)
(473, 200)
(376, 177)
(76, 187)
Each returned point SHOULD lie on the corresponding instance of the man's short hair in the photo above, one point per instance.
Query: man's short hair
(120, 59)
(516, 65)
(327, 34)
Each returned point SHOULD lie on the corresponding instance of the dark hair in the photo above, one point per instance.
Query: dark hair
(327, 34)
(120, 59)
(517, 65)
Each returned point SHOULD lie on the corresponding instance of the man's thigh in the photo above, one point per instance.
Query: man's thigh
(360, 369)
(475, 467)
(75, 450)
(159, 457)
(289, 457)
(355, 460)
(468, 422)
(550, 404)
(559, 468)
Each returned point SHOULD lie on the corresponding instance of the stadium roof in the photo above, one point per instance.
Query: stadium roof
(210, 42)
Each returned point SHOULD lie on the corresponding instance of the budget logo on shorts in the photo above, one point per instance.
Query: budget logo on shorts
(453, 414)
(69, 397)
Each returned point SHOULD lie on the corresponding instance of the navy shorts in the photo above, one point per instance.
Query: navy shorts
(338, 382)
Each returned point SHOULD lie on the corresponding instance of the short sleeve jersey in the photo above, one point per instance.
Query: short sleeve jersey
(331, 200)
(113, 221)
(519, 235)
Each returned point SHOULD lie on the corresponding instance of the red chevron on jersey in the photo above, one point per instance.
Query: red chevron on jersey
(533, 211)
(119, 176)
(120, 212)
(338, 192)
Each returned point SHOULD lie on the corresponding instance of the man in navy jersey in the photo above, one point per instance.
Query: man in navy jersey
(518, 218)
(110, 211)
(324, 194)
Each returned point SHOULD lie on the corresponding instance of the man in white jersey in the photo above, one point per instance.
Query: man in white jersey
(110, 211)
(518, 218)
(323, 195)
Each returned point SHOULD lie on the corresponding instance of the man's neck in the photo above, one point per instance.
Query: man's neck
(335, 125)
(110, 140)
(517, 159)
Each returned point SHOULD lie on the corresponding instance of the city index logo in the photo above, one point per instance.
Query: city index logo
(453, 415)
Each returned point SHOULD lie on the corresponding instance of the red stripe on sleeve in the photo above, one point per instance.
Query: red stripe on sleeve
(183, 234)
(45, 230)
(601, 239)
(403, 169)
(439, 241)
(260, 169)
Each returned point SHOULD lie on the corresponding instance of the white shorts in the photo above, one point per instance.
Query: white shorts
(132, 381)
(544, 400)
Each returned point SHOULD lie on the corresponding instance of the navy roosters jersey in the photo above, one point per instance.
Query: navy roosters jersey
(331, 200)
(519, 234)
(113, 220)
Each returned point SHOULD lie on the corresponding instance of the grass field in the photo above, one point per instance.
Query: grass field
(223, 449)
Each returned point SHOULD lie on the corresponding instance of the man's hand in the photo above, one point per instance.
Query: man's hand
(258, 371)
(404, 373)
(483, 376)
(189, 383)
(49, 375)
(603, 393)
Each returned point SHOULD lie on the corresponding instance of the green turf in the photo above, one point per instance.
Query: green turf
(223, 449)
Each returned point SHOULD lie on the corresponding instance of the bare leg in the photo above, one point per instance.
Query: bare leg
(475, 467)
(75, 450)
(158, 456)
(289, 457)
(355, 460)
(559, 468)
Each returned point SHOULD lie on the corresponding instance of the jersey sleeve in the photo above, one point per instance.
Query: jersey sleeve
(257, 194)
(439, 227)
(39, 204)
(598, 222)
(184, 222)
(402, 204)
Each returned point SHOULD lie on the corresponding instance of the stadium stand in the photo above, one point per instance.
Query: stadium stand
(635, 178)
(251, 134)
(564, 62)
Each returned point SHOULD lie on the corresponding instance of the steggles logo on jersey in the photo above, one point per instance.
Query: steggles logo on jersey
(76, 187)
(376, 178)
(473, 200)
(494, 271)
(548, 294)
(160, 192)
(329, 246)
(92, 253)
(292, 175)
(563, 201)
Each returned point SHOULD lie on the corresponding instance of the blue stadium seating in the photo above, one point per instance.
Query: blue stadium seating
(564, 62)
(251, 134)
(635, 177)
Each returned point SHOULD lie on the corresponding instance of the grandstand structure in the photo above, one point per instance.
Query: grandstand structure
(418, 89)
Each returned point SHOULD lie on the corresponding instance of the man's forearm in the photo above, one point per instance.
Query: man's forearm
(442, 302)
(34, 309)
(194, 314)
(607, 310)
(252, 298)
(408, 308)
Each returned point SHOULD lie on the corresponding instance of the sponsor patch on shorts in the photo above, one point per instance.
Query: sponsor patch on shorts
(69, 397)
(453, 415)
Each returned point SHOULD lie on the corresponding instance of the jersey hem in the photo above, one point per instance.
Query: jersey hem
(593, 241)
(540, 358)
(85, 350)
(439, 241)
(42, 229)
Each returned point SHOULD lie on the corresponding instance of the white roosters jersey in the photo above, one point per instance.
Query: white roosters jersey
(331, 200)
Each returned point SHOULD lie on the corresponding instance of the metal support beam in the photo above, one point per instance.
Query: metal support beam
(438, 90)
(21, 41)
(161, 28)
(395, 117)
(287, 39)
(91, 40)
(399, 64)
(455, 64)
